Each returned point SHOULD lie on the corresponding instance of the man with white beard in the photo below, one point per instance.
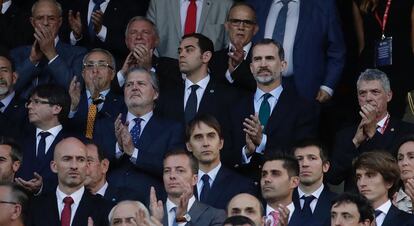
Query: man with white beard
(274, 117)
(12, 110)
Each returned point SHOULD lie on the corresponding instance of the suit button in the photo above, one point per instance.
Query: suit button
(236, 166)
(260, 166)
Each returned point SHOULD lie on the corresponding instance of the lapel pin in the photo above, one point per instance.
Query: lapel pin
(392, 129)
(212, 91)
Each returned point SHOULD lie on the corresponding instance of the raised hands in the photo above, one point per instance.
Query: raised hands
(74, 92)
(34, 185)
(123, 136)
(156, 206)
(75, 24)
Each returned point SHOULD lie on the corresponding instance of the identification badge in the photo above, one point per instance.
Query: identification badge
(383, 52)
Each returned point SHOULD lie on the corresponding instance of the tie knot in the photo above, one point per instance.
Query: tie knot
(68, 200)
(137, 120)
(266, 96)
(44, 134)
(308, 199)
(377, 213)
(284, 2)
(205, 178)
(275, 215)
(98, 100)
(98, 2)
(194, 87)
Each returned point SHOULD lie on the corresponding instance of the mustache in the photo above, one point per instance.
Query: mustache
(264, 69)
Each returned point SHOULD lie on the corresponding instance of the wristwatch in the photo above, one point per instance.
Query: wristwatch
(182, 219)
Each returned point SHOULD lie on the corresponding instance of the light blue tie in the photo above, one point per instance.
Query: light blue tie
(280, 26)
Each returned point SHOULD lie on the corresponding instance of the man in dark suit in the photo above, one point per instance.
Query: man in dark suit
(15, 28)
(11, 156)
(376, 130)
(96, 183)
(216, 183)
(312, 38)
(142, 137)
(231, 65)
(273, 118)
(70, 203)
(48, 60)
(48, 108)
(95, 108)
(312, 198)
(180, 176)
(199, 93)
(377, 178)
(12, 110)
(349, 209)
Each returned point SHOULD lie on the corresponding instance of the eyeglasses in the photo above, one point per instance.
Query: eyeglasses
(237, 22)
(37, 102)
(7, 202)
(99, 65)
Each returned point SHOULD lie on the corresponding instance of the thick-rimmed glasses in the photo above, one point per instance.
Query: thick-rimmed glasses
(99, 65)
(238, 22)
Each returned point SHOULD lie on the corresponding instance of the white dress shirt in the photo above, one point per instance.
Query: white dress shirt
(183, 12)
(54, 131)
(384, 209)
(76, 196)
(212, 174)
(315, 194)
(102, 190)
(200, 91)
(171, 215)
(5, 6)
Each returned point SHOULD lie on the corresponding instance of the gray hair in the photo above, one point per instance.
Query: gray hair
(375, 75)
(57, 4)
(153, 76)
(104, 51)
(141, 18)
(138, 205)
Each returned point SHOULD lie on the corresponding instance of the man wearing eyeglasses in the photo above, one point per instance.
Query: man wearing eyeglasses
(13, 204)
(48, 107)
(48, 60)
(231, 64)
(95, 107)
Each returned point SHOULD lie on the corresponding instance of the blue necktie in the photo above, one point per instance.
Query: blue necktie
(41, 148)
(91, 30)
(174, 209)
(280, 26)
(264, 111)
(377, 213)
(191, 106)
(306, 210)
(136, 131)
(1, 106)
(206, 188)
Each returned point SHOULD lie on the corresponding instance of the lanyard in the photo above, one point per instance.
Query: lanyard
(384, 19)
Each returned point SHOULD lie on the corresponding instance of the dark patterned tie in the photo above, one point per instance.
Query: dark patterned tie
(136, 131)
(280, 25)
(191, 106)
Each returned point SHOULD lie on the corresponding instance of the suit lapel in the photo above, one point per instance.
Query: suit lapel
(389, 219)
(150, 131)
(322, 207)
(278, 112)
(81, 214)
(304, 16)
(263, 10)
(195, 211)
(204, 13)
(207, 98)
(54, 212)
(215, 192)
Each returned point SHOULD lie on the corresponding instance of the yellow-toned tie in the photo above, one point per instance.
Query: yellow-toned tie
(91, 120)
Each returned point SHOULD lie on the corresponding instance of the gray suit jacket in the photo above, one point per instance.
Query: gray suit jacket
(166, 16)
(201, 215)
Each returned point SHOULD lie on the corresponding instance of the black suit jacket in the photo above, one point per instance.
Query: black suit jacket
(322, 212)
(116, 194)
(242, 76)
(398, 217)
(13, 119)
(345, 151)
(201, 215)
(104, 129)
(43, 211)
(225, 186)
(292, 119)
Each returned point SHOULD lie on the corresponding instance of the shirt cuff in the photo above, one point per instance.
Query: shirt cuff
(53, 59)
(328, 90)
(118, 152)
(121, 78)
(245, 159)
(71, 114)
(262, 145)
(102, 34)
(73, 40)
(228, 77)
(134, 156)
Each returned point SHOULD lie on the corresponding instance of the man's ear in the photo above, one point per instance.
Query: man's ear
(206, 57)
(53, 166)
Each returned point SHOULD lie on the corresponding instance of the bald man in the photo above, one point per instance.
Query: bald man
(247, 205)
(70, 164)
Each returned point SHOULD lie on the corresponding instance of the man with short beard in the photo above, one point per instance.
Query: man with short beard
(12, 110)
(274, 117)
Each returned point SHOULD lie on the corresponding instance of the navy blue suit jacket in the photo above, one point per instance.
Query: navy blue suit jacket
(319, 48)
(30, 163)
(89, 206)
(225, 186)
(292, 119)
(398, 217)
(60, 71)
(13, 119)
(104, 129)
(322, 212)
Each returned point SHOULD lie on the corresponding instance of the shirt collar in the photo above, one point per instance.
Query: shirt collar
(246, 48)
(212, 174)
(316, 193)
(385, 207)
(275, 93)
(76, 196)
(5, 6)
(53, 131)
(6, 101)
(382, 121)
(202, 83)
(130, 117)
(102, 190)
(103, 93)
(169, 204)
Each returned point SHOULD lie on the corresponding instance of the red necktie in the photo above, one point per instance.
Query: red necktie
(66, 212)
(191, 19)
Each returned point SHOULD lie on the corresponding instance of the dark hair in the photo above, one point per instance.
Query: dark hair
(239, 220)
(290, 163)
(16, 153)
(312, 142)
(204, 42)
(207, 119)
(56, 95)
(8, 58)
(237, 4)
(18, 195)
(268, 41)
(99, 149)
(403, 140)
(383, 163)
(366, 211)
(191, 158)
